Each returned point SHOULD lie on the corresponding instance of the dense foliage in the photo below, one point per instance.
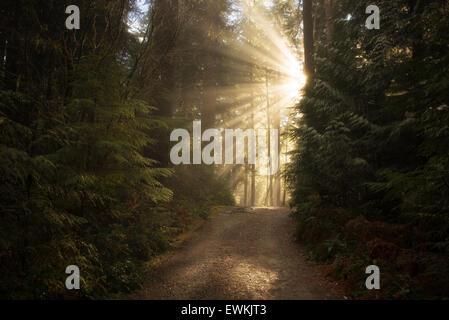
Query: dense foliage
(370, 172)
(86, 117)
(80, 183)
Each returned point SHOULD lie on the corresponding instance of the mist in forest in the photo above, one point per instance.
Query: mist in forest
(241, 69)
(272, 130)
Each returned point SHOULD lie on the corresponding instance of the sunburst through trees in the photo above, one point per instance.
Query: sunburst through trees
(250, 79)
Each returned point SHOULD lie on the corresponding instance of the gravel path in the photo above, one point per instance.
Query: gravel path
(238, 255)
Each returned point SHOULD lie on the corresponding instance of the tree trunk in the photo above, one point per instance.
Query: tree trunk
(269, 194)
(253, 166)
(165, 33)
(308, 38)
(245, 189)
(329, 8)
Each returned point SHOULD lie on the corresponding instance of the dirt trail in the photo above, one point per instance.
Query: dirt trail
(239, 255)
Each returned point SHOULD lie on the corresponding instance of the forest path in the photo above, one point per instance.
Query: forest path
(238, 255)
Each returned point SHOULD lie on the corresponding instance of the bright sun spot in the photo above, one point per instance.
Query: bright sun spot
(296, 80)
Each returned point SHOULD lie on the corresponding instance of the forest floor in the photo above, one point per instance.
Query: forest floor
(239, 254)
